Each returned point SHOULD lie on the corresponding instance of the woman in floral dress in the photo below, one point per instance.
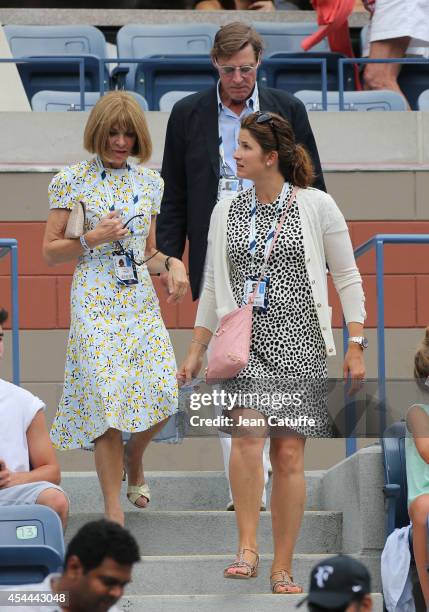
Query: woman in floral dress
(120, 368)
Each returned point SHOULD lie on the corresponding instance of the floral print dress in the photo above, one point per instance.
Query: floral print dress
(120, 367)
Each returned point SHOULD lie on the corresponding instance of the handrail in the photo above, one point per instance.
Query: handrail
(378, 241)
(366, 60)
(56, 59)
(11, 245)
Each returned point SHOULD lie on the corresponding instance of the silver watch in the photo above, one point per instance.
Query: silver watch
(361, 340)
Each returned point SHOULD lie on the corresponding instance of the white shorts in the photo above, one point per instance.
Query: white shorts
(397, 18)
(25, 493)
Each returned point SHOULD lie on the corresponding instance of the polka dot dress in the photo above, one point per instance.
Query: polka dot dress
(287, 371)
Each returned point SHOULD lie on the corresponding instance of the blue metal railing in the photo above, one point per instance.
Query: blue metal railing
(366, 60)
(378, 241)
(56, 59)
(10, 245)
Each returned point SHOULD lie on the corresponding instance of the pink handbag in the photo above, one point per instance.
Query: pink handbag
(230, 344)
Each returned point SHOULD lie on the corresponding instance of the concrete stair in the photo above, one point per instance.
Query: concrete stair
(187, 538)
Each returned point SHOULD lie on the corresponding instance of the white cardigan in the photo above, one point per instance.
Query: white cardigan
(326, 239)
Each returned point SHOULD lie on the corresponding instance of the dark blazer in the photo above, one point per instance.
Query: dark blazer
(190, 169)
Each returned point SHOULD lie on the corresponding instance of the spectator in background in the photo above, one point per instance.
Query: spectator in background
(196, 169)
(340, 584)
(247, 5)
(395, 27)
(97, 567)
(417, 461)
(29, 471)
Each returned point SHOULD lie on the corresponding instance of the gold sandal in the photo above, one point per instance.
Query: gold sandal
(251, 570)
(134, 492)
(285, 579)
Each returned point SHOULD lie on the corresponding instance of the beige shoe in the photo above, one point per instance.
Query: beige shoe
(134, 492)
(282, 578)
(251, 570)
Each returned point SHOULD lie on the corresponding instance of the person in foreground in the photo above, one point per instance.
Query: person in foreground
(417, 462)
(291, 330)
(120, 369)
(29, 470)
(339, 584)
(97, 567)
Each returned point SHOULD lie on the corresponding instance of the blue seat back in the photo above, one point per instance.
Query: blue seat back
(60, 101)
(28, 40)
(414, 80)
(157, 76)
(393, 448)
(296, 77)
(146, 40)
(34, 525)
(380, 100)
(169, 99)
(423, 101)
(287, 37)
(27, 564)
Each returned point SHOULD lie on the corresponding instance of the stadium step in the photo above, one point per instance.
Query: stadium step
(226, 603)
(174, 490)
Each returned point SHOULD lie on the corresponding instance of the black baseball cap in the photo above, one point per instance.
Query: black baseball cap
(336, 581)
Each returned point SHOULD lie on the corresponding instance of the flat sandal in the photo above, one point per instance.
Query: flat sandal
(285, 579)
(251, 569)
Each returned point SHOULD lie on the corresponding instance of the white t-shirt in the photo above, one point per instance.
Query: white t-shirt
(40, 587)
(18, 408)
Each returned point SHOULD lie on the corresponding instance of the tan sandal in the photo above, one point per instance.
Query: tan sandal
(134, 492)
(284, 579)
(251, 569)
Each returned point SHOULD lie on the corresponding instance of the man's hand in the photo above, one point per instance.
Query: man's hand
(177, 281)
(262, 5)
(5, 475)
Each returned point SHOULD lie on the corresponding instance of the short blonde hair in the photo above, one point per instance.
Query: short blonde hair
(120, 110)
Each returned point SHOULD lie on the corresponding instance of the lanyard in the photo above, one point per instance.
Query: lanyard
(272, 230)
(225, 166)
(109, 194)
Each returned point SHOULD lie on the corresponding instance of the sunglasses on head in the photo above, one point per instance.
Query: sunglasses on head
(267, 118)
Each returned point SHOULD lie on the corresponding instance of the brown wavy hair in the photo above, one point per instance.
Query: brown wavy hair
(294, 161)
(233, 37)
(421, 361)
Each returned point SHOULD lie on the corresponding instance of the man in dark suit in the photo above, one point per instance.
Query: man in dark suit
(192, 164)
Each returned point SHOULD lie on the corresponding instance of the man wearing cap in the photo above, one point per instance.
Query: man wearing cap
(339, 584)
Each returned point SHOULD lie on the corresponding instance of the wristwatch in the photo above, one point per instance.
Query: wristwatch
(361, 340)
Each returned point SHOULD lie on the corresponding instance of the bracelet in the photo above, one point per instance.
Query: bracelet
(85, 244)
(200, 343)
(166, 264)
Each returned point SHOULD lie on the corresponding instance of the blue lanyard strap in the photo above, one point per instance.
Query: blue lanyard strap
(270, 235)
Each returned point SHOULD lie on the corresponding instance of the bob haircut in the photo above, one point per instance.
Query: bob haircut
(117, 109)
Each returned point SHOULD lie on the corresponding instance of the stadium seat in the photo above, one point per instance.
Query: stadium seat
(423, 101)
(41, 41)
(381, 100)
(141, 40)
(31, 543)
(156, 76)
(295, 77)
(395, 476)
(60, 101)
(169, 99)
(414, 80)
(287, 37)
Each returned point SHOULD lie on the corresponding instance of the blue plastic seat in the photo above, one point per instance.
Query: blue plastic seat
(287, 37)
(169, 99)
(157, 76)
(146, 40)
(395, 476)
(414, 80)
(381, 100)
(31, 543)
(423, 101)
(60, 101)
(295, 77)
(42, 41)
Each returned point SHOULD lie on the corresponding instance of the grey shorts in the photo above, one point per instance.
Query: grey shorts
(25, 493)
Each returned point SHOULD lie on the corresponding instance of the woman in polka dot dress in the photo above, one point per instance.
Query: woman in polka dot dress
(282, 390)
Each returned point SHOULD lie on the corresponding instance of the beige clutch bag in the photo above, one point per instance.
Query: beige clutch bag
(76, 221)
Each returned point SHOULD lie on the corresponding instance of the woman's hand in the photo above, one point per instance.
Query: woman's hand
(177, 281)
(354, 366)
(109, 229)
(191, 367)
